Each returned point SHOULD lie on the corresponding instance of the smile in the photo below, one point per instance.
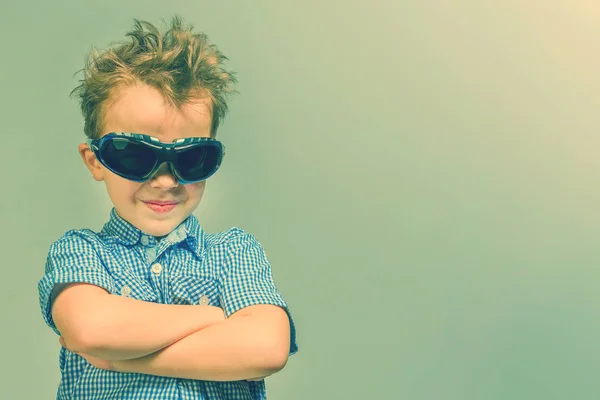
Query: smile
(161, 206)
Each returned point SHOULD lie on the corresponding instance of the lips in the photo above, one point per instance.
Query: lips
(161, 206)
(161, 203)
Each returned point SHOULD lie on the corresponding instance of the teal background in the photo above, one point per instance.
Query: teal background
(422, 174)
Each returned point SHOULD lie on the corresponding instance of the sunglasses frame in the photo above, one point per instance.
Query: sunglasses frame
(167, 152)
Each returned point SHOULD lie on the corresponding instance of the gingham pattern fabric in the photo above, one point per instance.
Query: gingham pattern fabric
(189, 266)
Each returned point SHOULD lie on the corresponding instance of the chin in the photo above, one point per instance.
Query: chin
(161, 229)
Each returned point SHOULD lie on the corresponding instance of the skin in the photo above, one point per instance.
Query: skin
(140, 108)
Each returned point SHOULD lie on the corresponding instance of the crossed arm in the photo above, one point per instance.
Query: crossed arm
(183, 341)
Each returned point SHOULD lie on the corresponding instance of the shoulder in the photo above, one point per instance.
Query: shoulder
(230, 240)
(77, 244)
(237, 250)
(76, 237)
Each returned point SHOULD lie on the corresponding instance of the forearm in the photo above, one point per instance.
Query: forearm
(125, 328)
(239, 348)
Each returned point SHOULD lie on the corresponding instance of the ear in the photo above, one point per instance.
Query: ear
(91, 162)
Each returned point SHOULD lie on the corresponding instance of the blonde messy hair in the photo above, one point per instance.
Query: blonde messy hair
(179, 63)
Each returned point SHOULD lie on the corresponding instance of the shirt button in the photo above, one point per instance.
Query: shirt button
(203, 301)
(145, 240)
(151, 253)
(125, 291)
(156, 268)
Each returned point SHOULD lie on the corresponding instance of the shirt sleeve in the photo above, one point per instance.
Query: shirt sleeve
(248, 280)
(71, 259)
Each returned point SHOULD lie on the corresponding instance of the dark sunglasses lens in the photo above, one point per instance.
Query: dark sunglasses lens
(199, 162)
(128, 158)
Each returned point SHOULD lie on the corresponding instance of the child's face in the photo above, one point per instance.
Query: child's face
(142, 109)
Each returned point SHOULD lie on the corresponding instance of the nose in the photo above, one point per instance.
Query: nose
(163, 178)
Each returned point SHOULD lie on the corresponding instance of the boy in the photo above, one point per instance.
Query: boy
(152, 306)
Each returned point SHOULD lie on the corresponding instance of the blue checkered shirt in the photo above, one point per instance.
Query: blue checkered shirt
(188, 266)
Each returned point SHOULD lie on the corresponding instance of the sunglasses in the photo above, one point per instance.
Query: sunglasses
(137, 157)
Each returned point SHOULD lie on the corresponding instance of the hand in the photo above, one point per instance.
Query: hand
(95, 361)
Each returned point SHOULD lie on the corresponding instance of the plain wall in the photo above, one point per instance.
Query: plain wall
(424, 176)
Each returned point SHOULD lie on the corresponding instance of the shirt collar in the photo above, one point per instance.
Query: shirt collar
(121, 230)
(194, 234)
(189, 230)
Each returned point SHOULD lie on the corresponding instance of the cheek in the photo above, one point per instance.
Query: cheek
(120, 188)
(196, 190)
